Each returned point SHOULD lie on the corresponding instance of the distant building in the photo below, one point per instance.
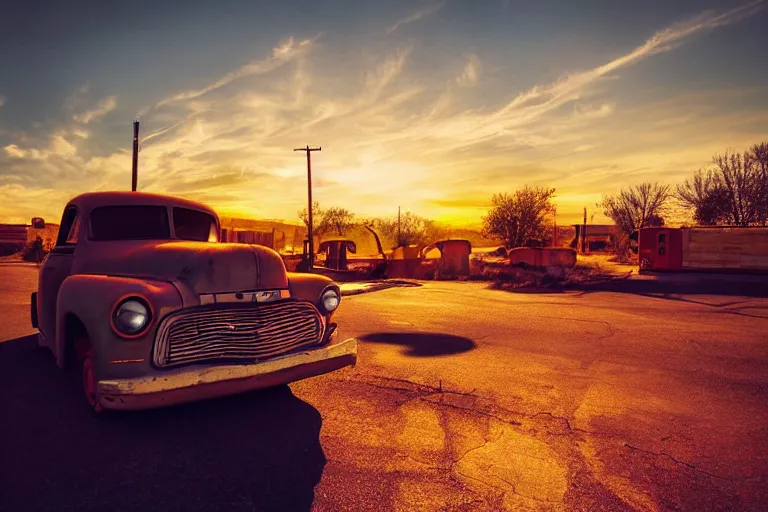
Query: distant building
(598, 236)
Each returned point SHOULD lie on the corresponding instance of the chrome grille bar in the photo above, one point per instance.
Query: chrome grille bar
(236, 333)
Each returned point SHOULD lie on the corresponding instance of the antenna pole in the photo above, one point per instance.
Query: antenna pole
(135, 167)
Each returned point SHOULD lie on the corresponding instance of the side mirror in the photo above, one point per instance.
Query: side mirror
(38, 223)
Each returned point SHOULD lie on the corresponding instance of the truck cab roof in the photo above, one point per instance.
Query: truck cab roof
(91, 200)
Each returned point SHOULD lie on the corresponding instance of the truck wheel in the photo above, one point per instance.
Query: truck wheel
(84, 355)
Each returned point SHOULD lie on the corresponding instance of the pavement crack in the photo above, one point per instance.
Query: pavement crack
(391, 388)
(678, 461)
(611, 330)
(422, 389)
(487, 441)
(429, 394)
(470, 409)
(563, 418)
(566, 422)
(426, 464)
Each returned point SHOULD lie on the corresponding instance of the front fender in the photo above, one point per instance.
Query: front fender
(91, 298)
(307, 286)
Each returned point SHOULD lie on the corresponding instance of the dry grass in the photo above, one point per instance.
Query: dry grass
(504, 276)
(48, 234)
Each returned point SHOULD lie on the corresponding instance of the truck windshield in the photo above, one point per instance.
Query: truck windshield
(194, 225)
(109, 223)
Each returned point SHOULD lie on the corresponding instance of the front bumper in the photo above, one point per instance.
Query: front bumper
(198, 383)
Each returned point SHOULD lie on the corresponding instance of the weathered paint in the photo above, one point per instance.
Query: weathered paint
(91, 298)
(713, 249)
(203, 266)
(195, 383)
(454, 255)
(307, 286)
(542, 257)
(84, 283)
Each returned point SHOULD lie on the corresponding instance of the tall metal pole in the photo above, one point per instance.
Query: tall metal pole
(399, 235)
(135, 168)
(310, 236)
(554, 221)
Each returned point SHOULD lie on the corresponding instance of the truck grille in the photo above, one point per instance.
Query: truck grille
(237, 333)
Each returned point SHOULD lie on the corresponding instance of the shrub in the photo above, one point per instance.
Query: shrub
(33, 251)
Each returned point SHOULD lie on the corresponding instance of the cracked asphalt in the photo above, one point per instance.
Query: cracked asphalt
(464, 398)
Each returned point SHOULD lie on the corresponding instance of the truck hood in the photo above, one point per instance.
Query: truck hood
(204, 267)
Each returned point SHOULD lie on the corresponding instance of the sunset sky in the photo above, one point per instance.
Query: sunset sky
(430, 105)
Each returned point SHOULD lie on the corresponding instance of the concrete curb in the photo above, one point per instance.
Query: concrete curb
(745, 286)
(373, 286)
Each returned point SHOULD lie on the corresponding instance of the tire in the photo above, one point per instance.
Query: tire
(84, 360)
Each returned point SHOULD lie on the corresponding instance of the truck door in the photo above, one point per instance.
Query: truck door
(661, 258)
(56, 268)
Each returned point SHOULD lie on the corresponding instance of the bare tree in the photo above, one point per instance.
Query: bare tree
(705, 195)
(735, 192)
(758, 155)
(637, 207)
(745, 183)
(519, 217)
(318, 229)
(412, 229)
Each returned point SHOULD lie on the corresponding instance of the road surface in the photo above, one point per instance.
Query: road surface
(464, 398)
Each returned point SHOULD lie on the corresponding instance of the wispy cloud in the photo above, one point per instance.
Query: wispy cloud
(416, 16)
(287, 51)
(543, 98)
(469, 76)
(440, 143)
(60, 146)
(102, 108)
(14, 151)
(520, 118)
(75, 100)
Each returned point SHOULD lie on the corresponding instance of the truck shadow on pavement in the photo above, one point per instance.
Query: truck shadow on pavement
(423, 344)
(255, 451)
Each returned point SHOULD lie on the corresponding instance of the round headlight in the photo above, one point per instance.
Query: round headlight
(131, 317)
(330, 300)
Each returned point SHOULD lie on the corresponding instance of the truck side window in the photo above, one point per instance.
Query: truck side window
(662, 244)
(72, 236)
(69, 227)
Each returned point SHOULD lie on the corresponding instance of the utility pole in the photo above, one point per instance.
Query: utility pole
(584, 233)
(309, 204)
(135, 167)
(554, 221)
(399, 236)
